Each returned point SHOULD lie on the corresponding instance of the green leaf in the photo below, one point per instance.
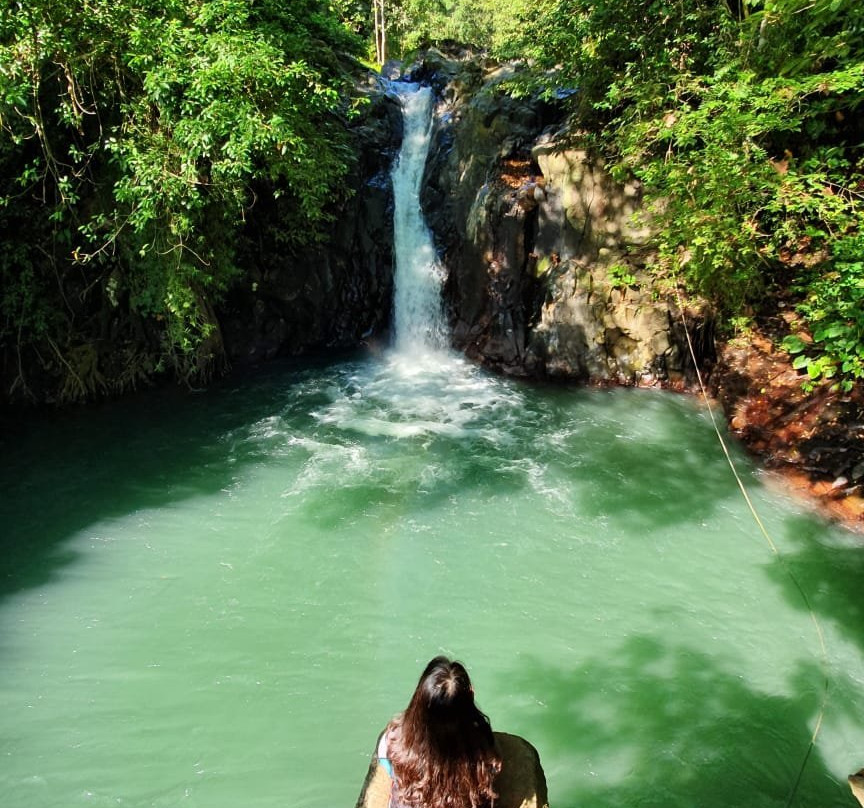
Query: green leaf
(793, 344)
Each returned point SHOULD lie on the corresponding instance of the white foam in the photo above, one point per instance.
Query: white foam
(419, 321)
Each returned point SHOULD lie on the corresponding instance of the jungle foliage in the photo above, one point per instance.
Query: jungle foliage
(134, 135)
(745, 123)
(415, 24)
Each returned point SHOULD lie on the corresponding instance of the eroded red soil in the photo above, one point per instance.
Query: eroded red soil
(814, 441)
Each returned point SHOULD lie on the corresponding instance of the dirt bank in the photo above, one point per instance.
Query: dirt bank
(815, 442)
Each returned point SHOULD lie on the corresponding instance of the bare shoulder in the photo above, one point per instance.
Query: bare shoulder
(856, 782)
(521, 782)
(375, 792)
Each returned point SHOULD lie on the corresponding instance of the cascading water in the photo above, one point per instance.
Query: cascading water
(421, 387)
(418, 314)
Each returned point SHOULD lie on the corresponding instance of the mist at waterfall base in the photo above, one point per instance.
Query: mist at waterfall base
(220, 600)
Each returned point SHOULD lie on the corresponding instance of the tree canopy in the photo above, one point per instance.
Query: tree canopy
(133, 132)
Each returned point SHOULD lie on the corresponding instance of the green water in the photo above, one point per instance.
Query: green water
(218, 600)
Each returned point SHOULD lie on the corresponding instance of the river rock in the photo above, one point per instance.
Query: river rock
(546, 261)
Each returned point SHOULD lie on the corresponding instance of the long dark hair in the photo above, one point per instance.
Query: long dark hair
(441, 746)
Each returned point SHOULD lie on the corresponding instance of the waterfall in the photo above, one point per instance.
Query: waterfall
(418, 318)
(419, 388)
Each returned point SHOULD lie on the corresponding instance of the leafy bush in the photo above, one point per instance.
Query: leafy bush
(134, 132)
(743, 123)
(412, 24)
(834, 308)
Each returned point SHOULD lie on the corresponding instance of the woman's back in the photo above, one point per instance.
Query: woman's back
(521, 782)
(440, 752)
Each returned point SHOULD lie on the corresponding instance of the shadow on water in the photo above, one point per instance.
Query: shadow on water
(655, 466)
(65, 471)
(392, 493)
(831, 576)
(665, 726)
(601, 467)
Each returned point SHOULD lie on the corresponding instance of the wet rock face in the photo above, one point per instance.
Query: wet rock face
(483, 235)
(601, 319)
(545, 263)
(336, 294)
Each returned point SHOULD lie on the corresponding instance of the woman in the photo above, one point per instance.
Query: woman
(440, 752)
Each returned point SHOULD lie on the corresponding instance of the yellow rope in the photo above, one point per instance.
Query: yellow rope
(771, 544)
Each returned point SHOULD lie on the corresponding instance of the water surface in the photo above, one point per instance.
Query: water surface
(218, 600)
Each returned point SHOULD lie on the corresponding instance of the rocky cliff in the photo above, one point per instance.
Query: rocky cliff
(545, 263)
(335, 293)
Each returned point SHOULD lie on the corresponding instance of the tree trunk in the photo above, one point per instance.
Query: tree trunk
(380, 31)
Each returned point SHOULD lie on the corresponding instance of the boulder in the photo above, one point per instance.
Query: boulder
(602, 319)
(856, 783)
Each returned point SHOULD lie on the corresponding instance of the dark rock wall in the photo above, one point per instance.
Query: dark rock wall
(285, 301)
(334, 294)
(483, 232)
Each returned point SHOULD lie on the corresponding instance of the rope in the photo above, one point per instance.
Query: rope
(767, 536)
